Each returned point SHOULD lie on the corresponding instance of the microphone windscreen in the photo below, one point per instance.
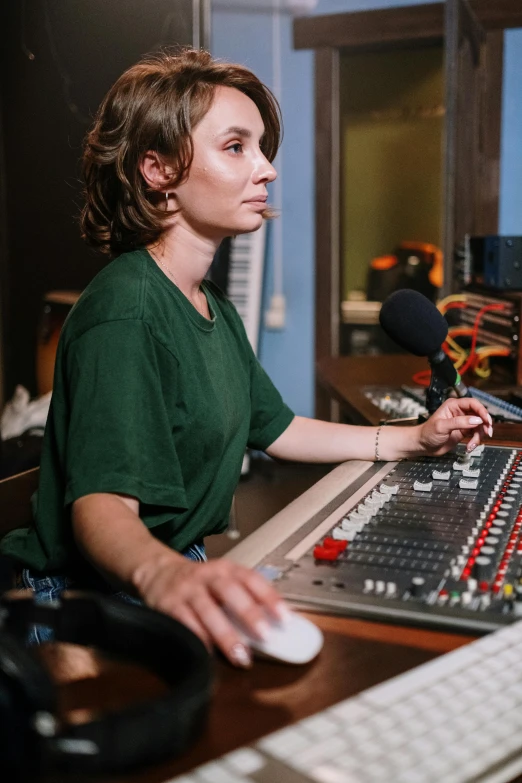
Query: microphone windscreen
(413, 322)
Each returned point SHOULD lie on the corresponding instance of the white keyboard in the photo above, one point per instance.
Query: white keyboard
(455, 719)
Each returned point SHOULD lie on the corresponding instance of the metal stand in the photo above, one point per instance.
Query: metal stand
(436, 393)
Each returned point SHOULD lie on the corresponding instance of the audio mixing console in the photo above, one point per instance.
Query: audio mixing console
(435, 540)
(410, 402)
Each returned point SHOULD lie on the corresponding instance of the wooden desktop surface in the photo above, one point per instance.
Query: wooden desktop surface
(247, 705)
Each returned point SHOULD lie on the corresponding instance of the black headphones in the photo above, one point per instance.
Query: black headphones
(32, 739)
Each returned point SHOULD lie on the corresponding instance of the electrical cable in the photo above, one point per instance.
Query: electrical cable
(485, 309)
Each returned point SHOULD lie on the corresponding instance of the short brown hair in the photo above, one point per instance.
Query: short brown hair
(155, 105)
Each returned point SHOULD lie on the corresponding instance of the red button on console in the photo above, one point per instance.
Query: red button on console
(323, 553)
(334, 543)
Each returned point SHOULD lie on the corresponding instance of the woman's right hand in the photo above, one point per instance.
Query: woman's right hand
(204, 595)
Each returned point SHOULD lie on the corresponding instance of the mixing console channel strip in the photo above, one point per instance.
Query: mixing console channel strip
(433, 541)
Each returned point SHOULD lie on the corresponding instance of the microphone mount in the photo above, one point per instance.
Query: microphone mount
(444, 377)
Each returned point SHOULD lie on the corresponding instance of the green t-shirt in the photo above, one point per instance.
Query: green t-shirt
(151, 400)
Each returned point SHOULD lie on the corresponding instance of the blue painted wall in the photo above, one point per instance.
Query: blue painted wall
(287, 355)
(510, 219)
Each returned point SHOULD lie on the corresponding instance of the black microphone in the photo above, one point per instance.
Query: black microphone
(415, 324)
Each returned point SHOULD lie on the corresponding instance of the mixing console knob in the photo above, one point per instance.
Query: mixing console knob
(389, 489)
(391, 589)
(343, 535)
(379, 497)
(441, 475)
(482, 568)
(355, 518)
(371, 506)
(352, 527)
(472, 585)
(491, 541)
(422, 486)
(417, 586)
(465, 598)
(506, 506)
(368, 585)
(509, 594)
(379, 586)
(485, 601)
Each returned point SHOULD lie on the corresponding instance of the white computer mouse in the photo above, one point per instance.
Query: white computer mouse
(293, 640)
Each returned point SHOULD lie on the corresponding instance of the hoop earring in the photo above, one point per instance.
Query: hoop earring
(167, 194)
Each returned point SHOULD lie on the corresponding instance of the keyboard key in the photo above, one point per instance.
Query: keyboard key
(245, 761)
(330, 774)
(319, 726)
(285, 743)
(217, 772)
(320, 752)
(351, 711)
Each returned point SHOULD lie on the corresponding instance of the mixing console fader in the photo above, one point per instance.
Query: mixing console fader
(436, 540)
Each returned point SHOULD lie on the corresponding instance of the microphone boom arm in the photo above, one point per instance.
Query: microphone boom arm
(444, 377)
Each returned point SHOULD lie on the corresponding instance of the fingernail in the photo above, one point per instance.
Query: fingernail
(240, 656)
(490, 419)
(475, 420)
(490, 432)
(262, 629)
(283, 612)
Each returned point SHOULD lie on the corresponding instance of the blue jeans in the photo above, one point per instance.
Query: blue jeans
(50, 588)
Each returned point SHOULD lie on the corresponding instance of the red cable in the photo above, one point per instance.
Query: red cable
(423, 377)
(467, 364)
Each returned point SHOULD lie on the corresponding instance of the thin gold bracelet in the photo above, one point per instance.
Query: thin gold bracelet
(377, 456)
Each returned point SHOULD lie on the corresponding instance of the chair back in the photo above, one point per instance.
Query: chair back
(15, 500)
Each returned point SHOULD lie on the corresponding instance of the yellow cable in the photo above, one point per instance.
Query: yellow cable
(450, 299)
(453, 344)
(493, 350)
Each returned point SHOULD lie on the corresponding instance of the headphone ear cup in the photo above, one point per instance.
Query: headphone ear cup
(25, 692)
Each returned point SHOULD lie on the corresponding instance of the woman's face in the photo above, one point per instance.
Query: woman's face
(225, 192)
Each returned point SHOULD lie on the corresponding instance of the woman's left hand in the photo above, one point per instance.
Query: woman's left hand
(454, 420)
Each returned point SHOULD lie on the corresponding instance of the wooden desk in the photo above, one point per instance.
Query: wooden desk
(345, 376)
(249, 704)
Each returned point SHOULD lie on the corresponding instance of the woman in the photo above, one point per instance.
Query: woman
(157, 392)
